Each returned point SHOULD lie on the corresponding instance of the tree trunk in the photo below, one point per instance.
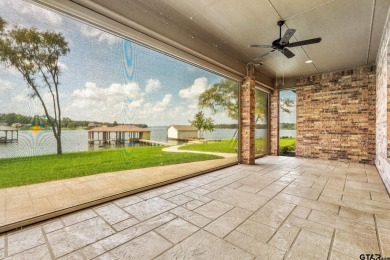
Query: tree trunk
(59, 144)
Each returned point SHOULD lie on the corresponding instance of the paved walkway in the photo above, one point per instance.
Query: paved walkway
(281, 208)
(175, 149)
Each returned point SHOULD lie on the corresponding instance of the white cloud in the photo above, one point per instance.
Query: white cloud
(106, 103)
(12, 71)
(38, 13)
(193, 92)
(152, 85)
(5, 85)
(160, 112)
(150, 109)
(62, 65)
(20, 98)
(166, 100)
(288, 117)
(100, 35)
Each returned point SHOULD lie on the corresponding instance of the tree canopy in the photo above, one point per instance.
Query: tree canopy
(202, 123)
(223, 97)
(35, 54)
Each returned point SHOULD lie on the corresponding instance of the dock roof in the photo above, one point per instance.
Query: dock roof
(7, 128)
(119, 128)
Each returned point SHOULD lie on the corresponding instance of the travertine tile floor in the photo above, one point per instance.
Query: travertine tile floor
(32, 201)
(280, 208)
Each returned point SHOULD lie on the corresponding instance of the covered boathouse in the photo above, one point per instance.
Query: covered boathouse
(117, 134)
(8, 138)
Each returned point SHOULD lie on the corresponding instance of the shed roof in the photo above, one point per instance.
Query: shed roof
(184, 127)
(119, 128)
(7, 128)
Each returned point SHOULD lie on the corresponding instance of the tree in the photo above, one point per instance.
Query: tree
(65, 121)
(115, 123)
(72, 125)
(286, 104)
(223, 97)
(202, 123)
(35, 55)
(261, 106)
(11, 119)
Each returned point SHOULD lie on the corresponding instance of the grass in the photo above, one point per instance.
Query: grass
(225, 146)
(287, 144)
(261, 146)
(286, 141)
(229, 146)
(29, 170)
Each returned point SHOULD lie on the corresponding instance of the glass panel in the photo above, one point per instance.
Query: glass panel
(287, 122)
(122, 107)
(261, 113)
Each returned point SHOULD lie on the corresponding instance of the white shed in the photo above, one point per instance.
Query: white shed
(181, 132)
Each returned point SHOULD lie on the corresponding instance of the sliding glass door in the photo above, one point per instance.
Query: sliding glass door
(262, 126)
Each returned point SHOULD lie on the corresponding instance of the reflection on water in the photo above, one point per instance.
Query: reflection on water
(32, 143)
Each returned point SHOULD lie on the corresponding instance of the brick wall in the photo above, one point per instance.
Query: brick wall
(336, 115)
(274, 122)
(247, 124)
(382, 108)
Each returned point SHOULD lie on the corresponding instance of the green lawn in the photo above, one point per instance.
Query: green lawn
(286, 141)
(225, 146)
(29, 170)
(287, 144)
(261, 146)
(230, 146)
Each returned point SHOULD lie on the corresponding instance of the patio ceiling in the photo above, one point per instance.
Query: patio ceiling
(222, 29)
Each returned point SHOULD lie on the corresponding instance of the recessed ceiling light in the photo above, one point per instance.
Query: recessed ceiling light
(309, 61)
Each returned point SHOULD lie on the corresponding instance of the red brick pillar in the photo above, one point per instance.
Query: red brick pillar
(247, 124)
(274, 122)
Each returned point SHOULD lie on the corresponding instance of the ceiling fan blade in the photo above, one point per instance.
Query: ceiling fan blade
(260, 46)
(305, 42)
(258, 58)
(287, 36)
(286, 52)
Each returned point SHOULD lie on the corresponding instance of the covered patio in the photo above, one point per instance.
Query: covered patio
(330, 202)
(280, 208)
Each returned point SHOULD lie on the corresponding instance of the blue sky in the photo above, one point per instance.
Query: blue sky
(94, 84)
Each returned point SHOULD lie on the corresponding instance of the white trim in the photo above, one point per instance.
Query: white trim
(263, 87)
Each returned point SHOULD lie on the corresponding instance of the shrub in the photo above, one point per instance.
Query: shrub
(287, 148)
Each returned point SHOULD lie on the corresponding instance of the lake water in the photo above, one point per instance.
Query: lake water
(288, 133)
(32, 143)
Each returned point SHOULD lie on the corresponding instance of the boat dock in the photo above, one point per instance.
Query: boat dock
(152, 143)
(9, 138)
(122, 134)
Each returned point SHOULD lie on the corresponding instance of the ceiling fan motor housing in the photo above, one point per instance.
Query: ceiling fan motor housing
(277, 46)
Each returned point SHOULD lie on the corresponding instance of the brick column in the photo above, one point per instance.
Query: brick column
(274, 122)
(247, 124)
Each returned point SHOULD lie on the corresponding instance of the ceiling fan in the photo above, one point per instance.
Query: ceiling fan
(282, 43)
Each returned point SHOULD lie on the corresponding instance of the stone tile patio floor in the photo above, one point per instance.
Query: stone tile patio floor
(280, 208)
